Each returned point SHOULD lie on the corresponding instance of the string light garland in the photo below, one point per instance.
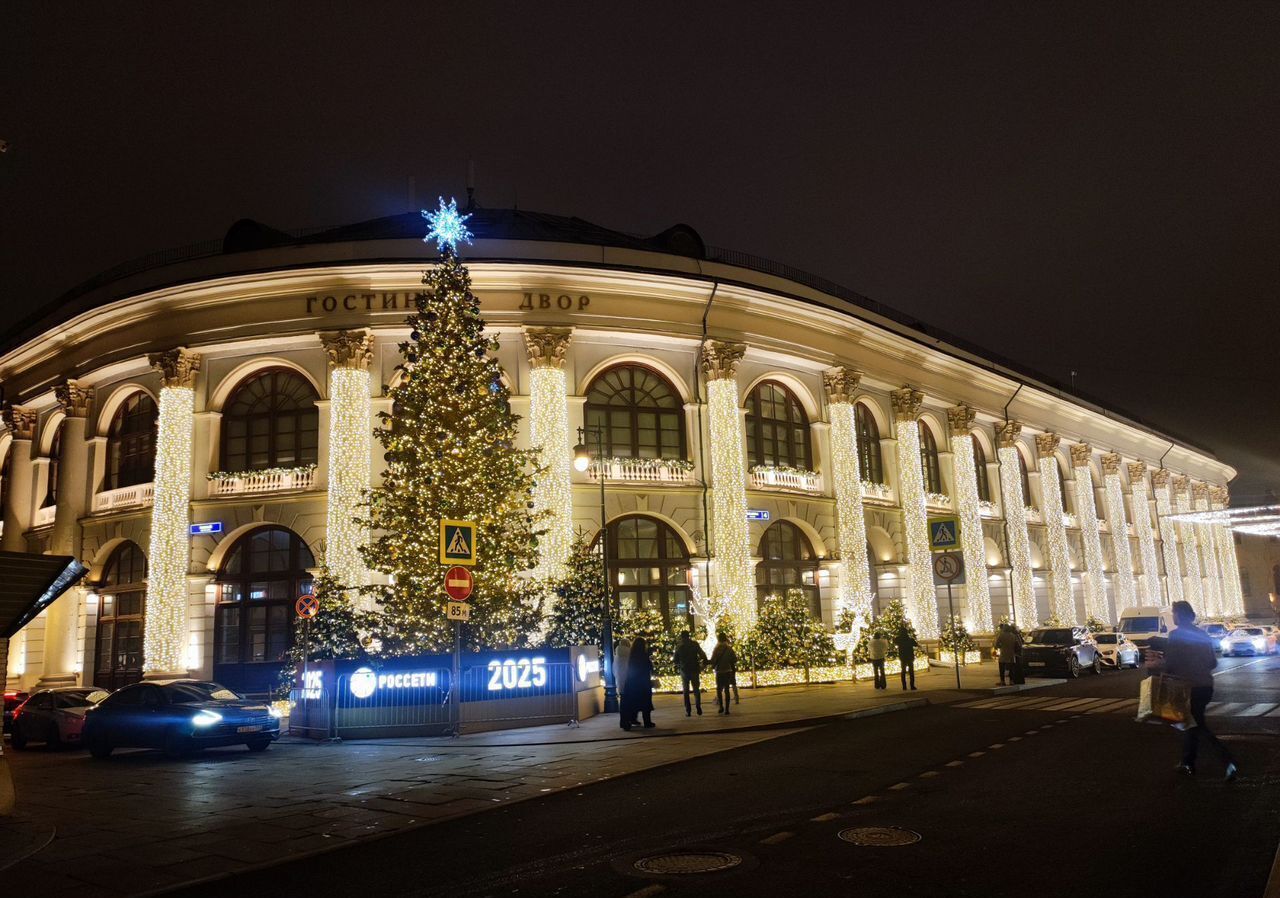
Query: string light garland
(549, 434)
(350, 446)
(1160, 483)
(1064, 601)
(1193, 579)
(1209, 558)
(977, 616)
(1228, 563)
(921, 598)
(1140, 500)
(1125, 586)
(854, 573)
(1015, 510)
(1095, 584)
(448, 228)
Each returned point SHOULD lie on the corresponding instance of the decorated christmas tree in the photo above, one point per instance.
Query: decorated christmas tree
(578, 616)
(450, 451)
(1096, 624)
(955, 639)
(892, 619)
(785, 634)
(660, 637)
(337, 631)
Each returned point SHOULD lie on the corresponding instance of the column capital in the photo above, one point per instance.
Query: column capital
(177, 367)
(1200, 491)
(1181, 483)
(1007, 434)
(1137, 471)
(348, 349)
(960, 419)
(720, 359)
(20, 421)
(1160, 478)
(1220, 496)
(73, 398)
(841, 384)
(1047, 444)
(547, 346)
(906, 403)
(1080, 454)
(1111, 462)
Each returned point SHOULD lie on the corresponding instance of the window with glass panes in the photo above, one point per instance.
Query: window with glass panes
(55, 461)
(777, 428)
(787, 562)
(270, 421)
(122, 608)
(649, 565)
(1068, 496)
(1026, 480)
(869, 462)
(980, 469)
(259, 582)
(639, 413)
(131, 443)
(929, 460)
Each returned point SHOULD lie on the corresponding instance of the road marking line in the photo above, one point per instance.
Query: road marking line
(983, 703)
(1014, 739)
(1228, 670)
(867, 800)
(996, 745)
(1063, 720)
(1257, 710)
(656, 889)
(776, 838)
(976, 754)
(1275, 713)
(1041, 704)
(898, 787)
(955, 763)
(1111, 705)
(929, 773)
(1095, 703)
(1046, 726)
(1226, 709)
(823, 818)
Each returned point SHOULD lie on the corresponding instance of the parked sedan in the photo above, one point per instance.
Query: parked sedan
(179, 717)
(1116, 650)
(1061, 651)
(54, 716)
(12, 699)
(1248, 641)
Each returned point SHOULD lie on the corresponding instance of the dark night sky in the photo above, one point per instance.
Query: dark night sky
(1088, 188)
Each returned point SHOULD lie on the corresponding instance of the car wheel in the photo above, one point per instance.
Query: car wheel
(176, 745)
(1073, 667)
(1097, 665)
(259, 744)
(100, 748)
(17, 740)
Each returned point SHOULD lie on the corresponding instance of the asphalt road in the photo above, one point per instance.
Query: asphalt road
(1006, 801)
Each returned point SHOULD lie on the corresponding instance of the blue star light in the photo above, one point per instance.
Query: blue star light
(448, 228)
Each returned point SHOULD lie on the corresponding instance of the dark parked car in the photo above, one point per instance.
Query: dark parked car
(54, 716)
(179, 717)
(1060, 650)
(12, 699)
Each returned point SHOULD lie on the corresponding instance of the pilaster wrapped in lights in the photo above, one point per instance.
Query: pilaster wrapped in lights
(18, 481)
(1126, 587)
(1208, 554)
(165, 636)
(977, 613)
(854, 590)
(920, 598)
(549, 432)
(350, 448)
(1228, 562)
(733, 584)
(1193, 579)
(1095, 583)
(1141, 508)
(1064, 600)
(1162, 485)
(1015, 517)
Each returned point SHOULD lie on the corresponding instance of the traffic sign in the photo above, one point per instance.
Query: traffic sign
(944, 534)
(948, 567)
(307, 606)
(458, 583)
(458, 542)
(458, 611)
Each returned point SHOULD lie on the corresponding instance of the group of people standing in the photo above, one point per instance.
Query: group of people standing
(633, 673)
(878, 650)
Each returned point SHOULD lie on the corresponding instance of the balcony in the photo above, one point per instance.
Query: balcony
(269, 480)
(1033, 515)
(988, 509)
(44, 516)
(124, 497)
(770, 477)
(938, 500)
(877, 492)
(673, 471)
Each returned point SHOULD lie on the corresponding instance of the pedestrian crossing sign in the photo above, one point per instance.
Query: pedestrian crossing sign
(944, 534)
(458, 542)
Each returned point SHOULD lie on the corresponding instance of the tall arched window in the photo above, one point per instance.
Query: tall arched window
(270, 421)
(131, 442)
(649, 564)
(777, 428)
(122, 607)
(55, 461)
(1068, 496)
(929, 460)
(869, 462)
(980, 468)
(258, 583)
(640, 414)
(1026, 480)
(788, 562)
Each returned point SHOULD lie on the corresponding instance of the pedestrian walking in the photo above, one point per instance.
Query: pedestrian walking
(637, 698)
(1007, 646)
(878, 650)
(906, 644)
(689, 659)
(1189, 655)
(724, 661)
(621, 660)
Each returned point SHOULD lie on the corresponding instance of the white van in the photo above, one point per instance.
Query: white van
(1145, 621)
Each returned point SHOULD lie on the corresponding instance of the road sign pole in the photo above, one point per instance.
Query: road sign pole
(955, 653)
(455, 683)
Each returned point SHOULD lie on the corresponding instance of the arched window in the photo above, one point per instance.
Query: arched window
(649, 564)
(1068, 496)
(1026, 480)
(980, 468)
(777, 428)
(55, 461)
(258, 583)
(869, 461)
(131, 442)
(929, 460)
(640, 414)
(270, 421)
(787, 562)
(122, 606)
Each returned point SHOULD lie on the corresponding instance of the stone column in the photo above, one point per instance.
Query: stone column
(165, 634)
(350, 451)
(1141, 508)
(1126, 587)
(549, 433)
(920, 598)
(977, 612)
(1193, 579)
(1064, 600)
(853, 573)
(733, 586)
(19, 485)
(1095, 578)
(1208, 555)
(1161, 484)
(1015, 520)
(1228, 562)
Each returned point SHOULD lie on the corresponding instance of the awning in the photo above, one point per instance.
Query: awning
(29, 583)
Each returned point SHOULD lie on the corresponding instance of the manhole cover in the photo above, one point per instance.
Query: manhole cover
(688, 862)
(880, 836)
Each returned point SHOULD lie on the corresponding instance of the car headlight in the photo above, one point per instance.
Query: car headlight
(206, 718)
(1258, 642)
(275, 712)
(1226, 644)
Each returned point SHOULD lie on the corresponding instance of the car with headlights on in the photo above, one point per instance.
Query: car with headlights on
(1062, 651)
(1248, 641)
(1116, 650)
(179, 717)
(54, 716)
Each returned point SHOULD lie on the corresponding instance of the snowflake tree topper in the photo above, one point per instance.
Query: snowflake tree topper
(448, 228)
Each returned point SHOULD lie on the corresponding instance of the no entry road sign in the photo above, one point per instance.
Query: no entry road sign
(458, 583)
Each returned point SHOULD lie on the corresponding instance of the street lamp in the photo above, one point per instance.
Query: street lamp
(582, 457)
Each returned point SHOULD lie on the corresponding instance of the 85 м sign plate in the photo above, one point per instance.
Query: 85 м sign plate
(458, 611)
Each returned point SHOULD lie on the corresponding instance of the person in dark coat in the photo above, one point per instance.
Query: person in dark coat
(725, 662)
(637, 697)
(1189, 654)
(1007, 647)
(689, 659)
(906, 644)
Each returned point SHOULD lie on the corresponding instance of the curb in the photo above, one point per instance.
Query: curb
(1022, 687)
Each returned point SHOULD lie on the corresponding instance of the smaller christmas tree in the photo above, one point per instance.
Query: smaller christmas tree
(336, 631)
(893, 619)
(1096, 624)
(648, 623)
(955, 639)
(578, 615)
(786, 635)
